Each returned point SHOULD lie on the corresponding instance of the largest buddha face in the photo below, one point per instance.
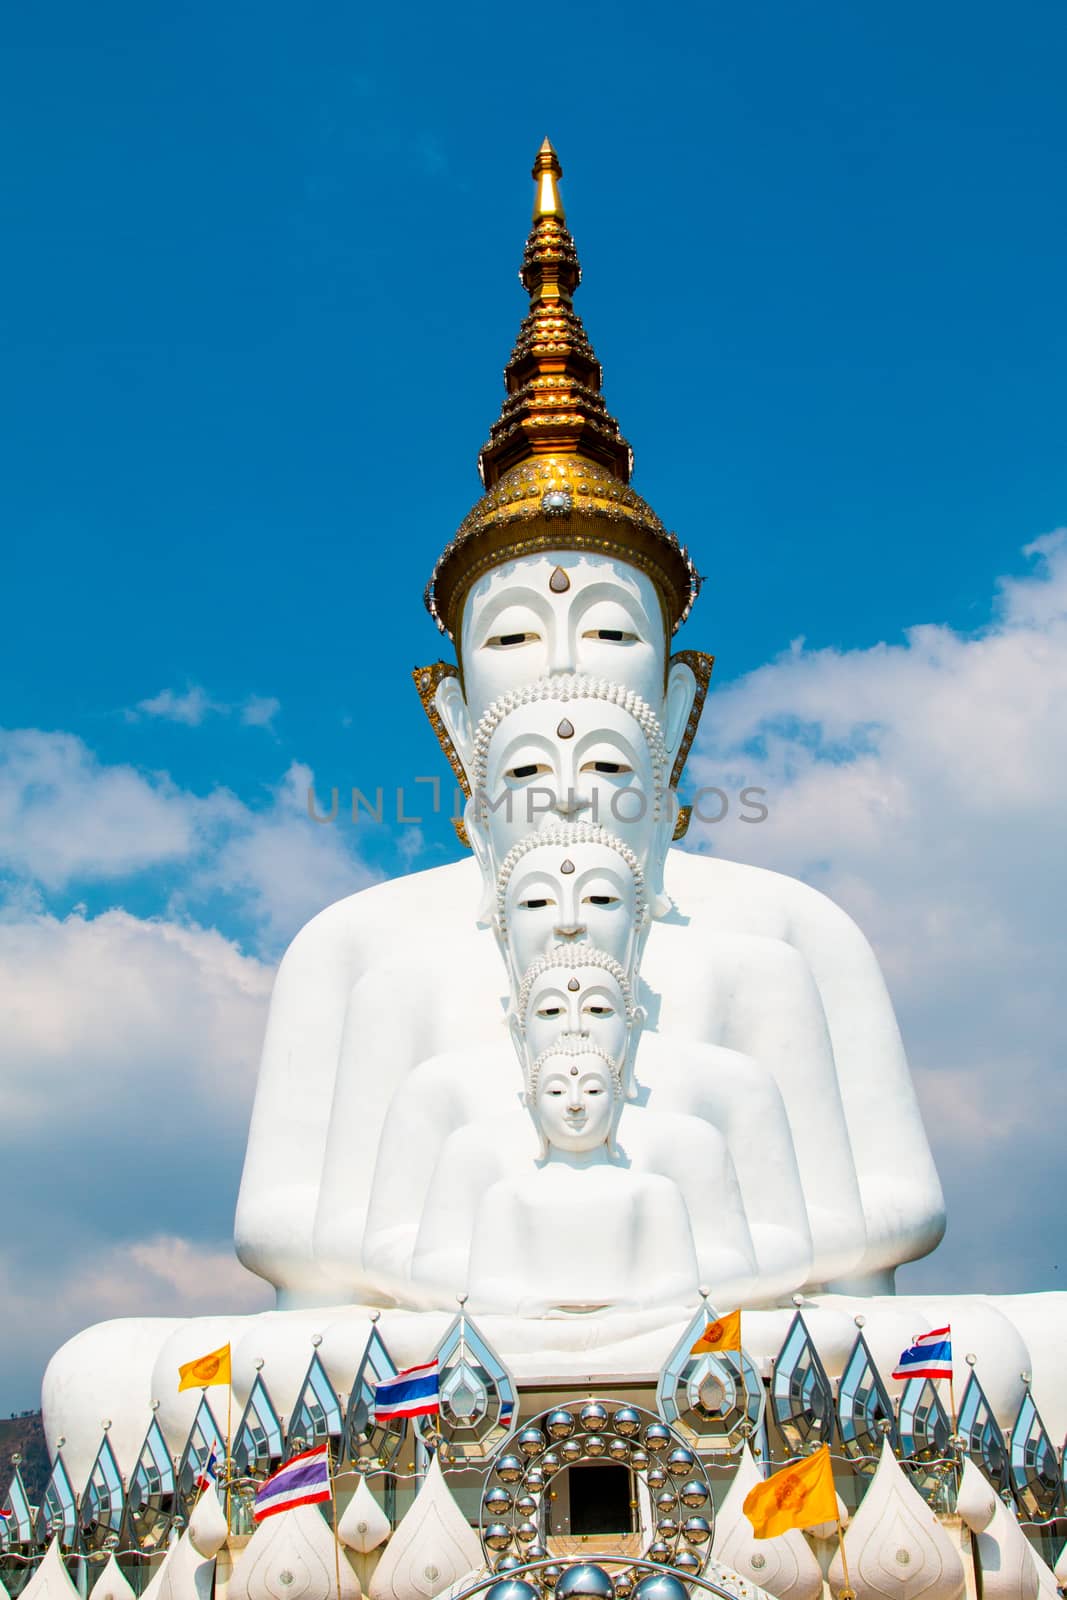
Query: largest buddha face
(561, 612)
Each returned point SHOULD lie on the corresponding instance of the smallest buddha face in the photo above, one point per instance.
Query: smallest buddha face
(579, 1002)
(575, 1102)
(573, 894)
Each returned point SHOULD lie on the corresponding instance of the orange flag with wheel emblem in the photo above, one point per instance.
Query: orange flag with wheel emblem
(724, 1334)
(799, 1496)
(205, 1370)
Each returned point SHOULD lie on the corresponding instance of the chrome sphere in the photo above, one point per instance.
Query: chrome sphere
(497, 1536)
(509, 1469)
(526, 1505)
(571, 1450)
(659, 1550)
(536, 1552)
(560, 1425)
(497, 1502)
(686, 1561)
(593, 1416)
(656, 1477)
(697, 1530)
(549, 1462)
(595, 1444)
(531, 1441)
(667, 1528)
(584, 1581)
(627, 1422)
(526, 1532)
(511, 1589)
(661, 1586)
(619, 1450)
(624, 1583)
(657, 1438)
(665, 1502)
(638, 1457)
(550, 1576)
(694, 1495)
(681, 1462)
(535, 1479)
(508, 1564)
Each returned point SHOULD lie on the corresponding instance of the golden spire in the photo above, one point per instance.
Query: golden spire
(556, 469)
(554, 405)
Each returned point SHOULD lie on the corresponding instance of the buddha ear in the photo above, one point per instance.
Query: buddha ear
(452, 709)
(678, 703)
(659, 900)
(515, 1030)
(478, 839)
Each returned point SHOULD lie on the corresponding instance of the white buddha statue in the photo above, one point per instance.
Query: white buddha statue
(773, 1140)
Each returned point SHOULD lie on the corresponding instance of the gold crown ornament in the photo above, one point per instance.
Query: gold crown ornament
(556, 468)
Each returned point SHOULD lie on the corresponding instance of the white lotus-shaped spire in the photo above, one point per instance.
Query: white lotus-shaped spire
(111, 1585)
(1010, 1566)
(433, 1545)
(895, 1547)
(51, 1581)
(293, 1556)
(364, 1525)
(783, 1566)
(207, 1525)
(183, 1574)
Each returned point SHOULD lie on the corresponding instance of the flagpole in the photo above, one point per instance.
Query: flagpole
(848, 1592)
(333, 1511)
(229, 1427)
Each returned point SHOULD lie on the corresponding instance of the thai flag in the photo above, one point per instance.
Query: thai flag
(207, 1477)
(930, 1356)
(303, 1481)
(412, 1393)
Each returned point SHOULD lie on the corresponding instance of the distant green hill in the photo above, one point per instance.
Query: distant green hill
(26, 1435)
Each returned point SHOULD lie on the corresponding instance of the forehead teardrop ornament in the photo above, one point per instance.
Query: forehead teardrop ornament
(566, 868)
(574, 1072)
(559, 582)
(573, 985)
(565, 729)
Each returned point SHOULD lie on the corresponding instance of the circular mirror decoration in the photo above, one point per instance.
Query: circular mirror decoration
(672, 1487)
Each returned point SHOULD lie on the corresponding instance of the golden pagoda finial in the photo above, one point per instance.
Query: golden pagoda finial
(556, 468)
(546, 174)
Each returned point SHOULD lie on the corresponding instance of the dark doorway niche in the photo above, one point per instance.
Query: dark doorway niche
(600, 1499)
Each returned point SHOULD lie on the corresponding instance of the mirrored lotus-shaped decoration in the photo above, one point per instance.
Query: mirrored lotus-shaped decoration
(17, 1527)
(802, 1400)
(982, 1439)
(205, 1436)
(1035, 1471)
(257, 1445)
(864, 1409)
(151, 1498)
(715, 1400)
(366, 1443)
(316, 1416)
(477, 1397)
(103, 1500)
(925, 1433)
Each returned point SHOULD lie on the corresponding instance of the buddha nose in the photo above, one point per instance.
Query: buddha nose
(574, 931)
(571, 804)
(561, 655)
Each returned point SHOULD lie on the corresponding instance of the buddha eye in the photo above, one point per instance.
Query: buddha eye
(535, 905)
(601, 900)
(554, 1093)
(594, 1089)
(550, 1011)
(599, 1011)
(611, 636)
(612, 767)
(509, 641)
(530, 769)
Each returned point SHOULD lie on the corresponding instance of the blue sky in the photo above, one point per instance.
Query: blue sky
(259, 286)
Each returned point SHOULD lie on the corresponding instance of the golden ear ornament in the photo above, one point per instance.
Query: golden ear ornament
(427, 681)
(700, 664)
(681, 826)
(462, 835)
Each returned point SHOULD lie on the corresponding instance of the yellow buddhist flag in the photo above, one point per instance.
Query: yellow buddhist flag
(725, 1334)
(799, 1496)
(205, 1370)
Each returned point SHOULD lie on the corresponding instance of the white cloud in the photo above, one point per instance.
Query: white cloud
(920, 786)
(192, 705)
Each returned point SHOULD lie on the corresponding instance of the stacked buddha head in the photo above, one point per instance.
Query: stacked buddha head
(566, 722)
